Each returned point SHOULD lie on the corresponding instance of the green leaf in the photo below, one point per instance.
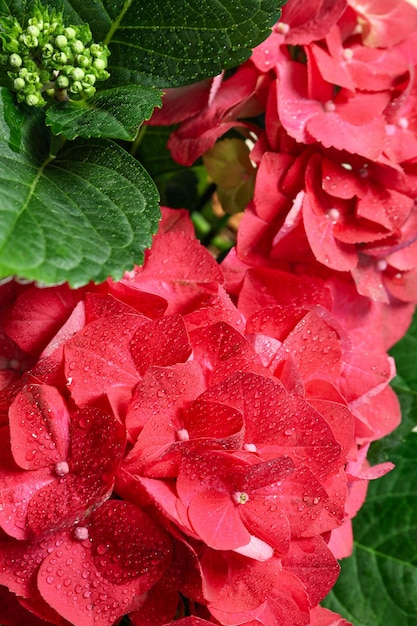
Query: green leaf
(83, 215)
(116, 113)
(168, 43)
(377, 585)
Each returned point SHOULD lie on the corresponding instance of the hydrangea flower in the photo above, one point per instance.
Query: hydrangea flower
(164, 442)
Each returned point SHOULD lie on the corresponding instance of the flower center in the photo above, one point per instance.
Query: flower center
(240, 497)
(61, 468)
(81, 533)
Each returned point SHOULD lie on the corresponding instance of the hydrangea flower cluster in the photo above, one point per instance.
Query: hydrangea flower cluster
(336, 177)
(47, 58)
(189, 445)
(163, 447)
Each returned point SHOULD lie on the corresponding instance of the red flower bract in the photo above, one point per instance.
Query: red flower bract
(173, 443)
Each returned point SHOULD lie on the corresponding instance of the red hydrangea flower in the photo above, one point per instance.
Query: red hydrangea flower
(342, 194)
(167, 442)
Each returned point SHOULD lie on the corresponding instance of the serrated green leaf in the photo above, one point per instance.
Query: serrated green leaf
(84, 215)
(377, 585)
(113, 113)
(168, 43)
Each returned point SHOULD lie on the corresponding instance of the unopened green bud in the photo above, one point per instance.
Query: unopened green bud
(76, 87)
(34, 21)
(15, 60)
(33, 30)
(69, 32)
(78, 73)
(62, 82)
(83, 60)
(96, 50)
(99, 64)
(77, 46)
(32, 100)
(89, 79)
(19, 84)
(47, 51)
(23, 72)
(60, 57)
(61, 41)
(29, 40)
(32, 78)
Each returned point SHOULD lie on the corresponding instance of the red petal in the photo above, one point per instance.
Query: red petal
(38, 314)
(39, 427)
(310, 21)
(160, 342)
(320, 616)
(313, 563)
(161, 394)
(98, 358)
(97, 582)
(215, 519)
(222, 351)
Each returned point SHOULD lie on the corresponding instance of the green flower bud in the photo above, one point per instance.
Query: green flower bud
(19, 84)
(78, 73)
(33, 30)
(100, 64)
(96, 50)
(89, 79)
(62, 82)
(34, 21)
(60, 58)
(29, 40)
(15, 60)
(77, 46)
(32, 100)
(23, 72)
(76, 87)
(83, 60)
(47, 51)
(32, 78)
(69, 32)
(31, 65)
(61, 41)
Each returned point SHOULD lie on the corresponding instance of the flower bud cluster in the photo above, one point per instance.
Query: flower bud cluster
(45, 58)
